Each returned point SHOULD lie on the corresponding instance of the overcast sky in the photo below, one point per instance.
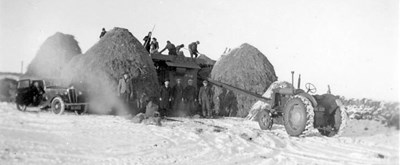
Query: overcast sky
(350, 44)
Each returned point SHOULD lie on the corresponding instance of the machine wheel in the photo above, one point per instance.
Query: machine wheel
(82, 112)
(298, 115)
(340, 122)
(21, 107)
(57, 106)
(264, 120)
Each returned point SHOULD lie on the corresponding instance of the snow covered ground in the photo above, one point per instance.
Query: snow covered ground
(43, 138)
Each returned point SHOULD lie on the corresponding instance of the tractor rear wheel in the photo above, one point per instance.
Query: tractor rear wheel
(298, 115)
(340, 122)
(264, 120)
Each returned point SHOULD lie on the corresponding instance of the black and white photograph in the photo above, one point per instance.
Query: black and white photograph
(199, 82)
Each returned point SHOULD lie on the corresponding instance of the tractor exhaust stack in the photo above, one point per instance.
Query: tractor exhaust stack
(298, 82)
(293, 80)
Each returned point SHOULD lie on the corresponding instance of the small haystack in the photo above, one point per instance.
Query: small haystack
(260, 105)
(101, 67)
(244, 67)
(52, 56)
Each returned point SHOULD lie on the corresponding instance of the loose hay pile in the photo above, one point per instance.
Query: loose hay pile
(101, 67)
(244, 67)
(52, 56)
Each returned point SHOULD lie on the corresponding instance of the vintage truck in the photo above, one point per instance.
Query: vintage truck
(58, 98)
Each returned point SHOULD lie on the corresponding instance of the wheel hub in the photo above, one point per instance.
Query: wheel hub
(265, 119)
(295, 116)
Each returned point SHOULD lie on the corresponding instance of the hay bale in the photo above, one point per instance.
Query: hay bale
(53, 55)
(244, 67)
(101, 67)
(260, 105)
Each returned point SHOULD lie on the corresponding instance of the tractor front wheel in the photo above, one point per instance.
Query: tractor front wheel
(264, 120)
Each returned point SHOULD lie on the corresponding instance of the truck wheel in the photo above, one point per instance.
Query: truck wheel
(21, 107)
(298, 116)
(57, 106)
(264, 120)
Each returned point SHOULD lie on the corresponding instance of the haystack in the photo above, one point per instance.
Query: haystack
(244, 67)
(101, 67)
(52, 56)
(261, 105)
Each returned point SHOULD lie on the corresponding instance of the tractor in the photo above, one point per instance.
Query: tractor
(301, 111)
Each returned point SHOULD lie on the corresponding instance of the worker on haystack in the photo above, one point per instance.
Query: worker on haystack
(205, 99)
(177, 97)
(171, 48)
(189, 97)
(154, 46)
(103, 32)
(146, 43)
(193, 49)
(179, 52)
(125, 88)
(165, 98)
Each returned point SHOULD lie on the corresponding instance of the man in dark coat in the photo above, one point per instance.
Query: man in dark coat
(165, 98)
(154, 46)
(205, 98)
(103, 32)
(125, 88)
(37, 93)
(177, 96)
(171, 49)
(146, 43)
(178, 50)
(190, 97)
(193, 49)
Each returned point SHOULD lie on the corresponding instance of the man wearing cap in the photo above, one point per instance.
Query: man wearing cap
(189, 96)
(205, 96)
(193, 49)
(171, 48)
(125, 88)
(165, 98)
(146, 43)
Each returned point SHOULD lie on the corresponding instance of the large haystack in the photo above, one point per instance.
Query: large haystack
(54, 53)
(244, 67)
(103, 65)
